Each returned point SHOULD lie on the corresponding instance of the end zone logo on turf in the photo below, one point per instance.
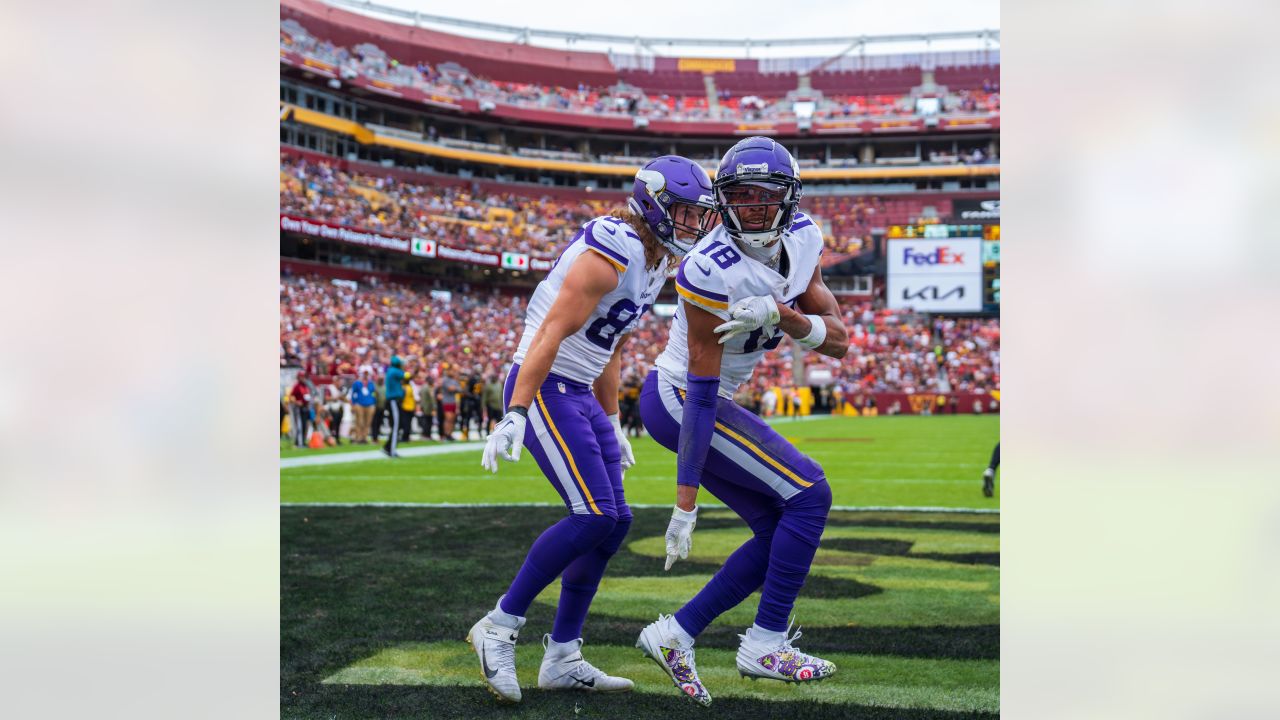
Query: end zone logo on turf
(941, 255)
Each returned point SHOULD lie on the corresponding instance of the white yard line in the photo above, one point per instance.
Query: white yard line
(367, 455)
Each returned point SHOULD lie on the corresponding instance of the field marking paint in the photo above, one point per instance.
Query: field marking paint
(367, 455)
(642, 506)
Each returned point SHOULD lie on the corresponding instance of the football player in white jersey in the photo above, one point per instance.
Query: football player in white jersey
(750, 281)
(561, 400)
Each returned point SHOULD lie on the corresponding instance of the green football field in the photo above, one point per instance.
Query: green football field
(376, 600)
(885, 461)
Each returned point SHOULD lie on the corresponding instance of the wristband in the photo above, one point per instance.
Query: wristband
(685, 515)
(614, 420)
(817, 333)
(520, 410)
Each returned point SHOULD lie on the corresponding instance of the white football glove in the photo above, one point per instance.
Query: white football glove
(748, 315)
(628, 457)
(505, 441)
(680, 534)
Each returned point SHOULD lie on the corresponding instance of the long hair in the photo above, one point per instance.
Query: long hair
(654, 252)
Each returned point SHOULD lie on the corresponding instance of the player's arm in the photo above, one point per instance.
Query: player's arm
(589, 279)
(606, 391)
(817, 324)
(606, 386)
(698, 424)
(696, 427)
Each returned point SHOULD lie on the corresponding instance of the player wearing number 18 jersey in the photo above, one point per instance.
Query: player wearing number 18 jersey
(750, 281)
(561, 400)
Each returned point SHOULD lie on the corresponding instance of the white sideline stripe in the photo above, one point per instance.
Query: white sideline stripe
(642, 506)
(365, 456)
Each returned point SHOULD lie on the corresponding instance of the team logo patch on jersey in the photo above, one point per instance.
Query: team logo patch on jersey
(560, 387)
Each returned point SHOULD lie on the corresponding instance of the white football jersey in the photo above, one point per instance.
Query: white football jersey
(584, 354)
(714, 276)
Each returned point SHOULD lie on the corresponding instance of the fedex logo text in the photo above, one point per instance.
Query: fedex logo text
(941, 255)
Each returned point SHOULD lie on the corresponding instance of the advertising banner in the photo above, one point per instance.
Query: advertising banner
(934, 256)
(935, 275)
(976, 210)
(420, 247)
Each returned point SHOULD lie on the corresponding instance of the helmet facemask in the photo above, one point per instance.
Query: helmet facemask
(755, 213)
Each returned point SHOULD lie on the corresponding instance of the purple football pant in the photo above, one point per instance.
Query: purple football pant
(574, 444)
(781, 493)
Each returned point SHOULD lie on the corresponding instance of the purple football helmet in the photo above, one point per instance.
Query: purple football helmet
(673, 194)
(757, 190)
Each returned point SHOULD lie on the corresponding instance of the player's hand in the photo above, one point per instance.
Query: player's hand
(680, 534)
(505, 441)
(628, 457)
(748, 315)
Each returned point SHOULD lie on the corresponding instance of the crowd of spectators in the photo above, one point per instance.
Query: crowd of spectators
(462, 217)
(342, 330)
(451, 79)
(495, 221)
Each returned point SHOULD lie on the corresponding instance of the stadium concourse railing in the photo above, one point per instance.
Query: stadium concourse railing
(627, 123)
(367, 136)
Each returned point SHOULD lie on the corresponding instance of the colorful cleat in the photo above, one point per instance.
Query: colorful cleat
(778, 660)
(659, 643)
(569, 671)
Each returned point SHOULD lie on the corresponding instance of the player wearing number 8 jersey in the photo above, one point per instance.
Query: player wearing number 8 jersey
(561, 399)
(750, 281)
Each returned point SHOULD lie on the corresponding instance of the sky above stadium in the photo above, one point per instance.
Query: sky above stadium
(726, 19)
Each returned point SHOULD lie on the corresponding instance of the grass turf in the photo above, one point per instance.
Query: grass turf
(885, 461)
(376, 603)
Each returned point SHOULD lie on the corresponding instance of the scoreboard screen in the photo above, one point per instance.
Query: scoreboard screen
(991, 274)
(940, 230)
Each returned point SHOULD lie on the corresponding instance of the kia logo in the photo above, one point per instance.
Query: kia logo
(932, 292)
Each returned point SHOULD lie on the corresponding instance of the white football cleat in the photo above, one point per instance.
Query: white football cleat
(660, 642)
(567, 670)
(495, 644)
(778, 660)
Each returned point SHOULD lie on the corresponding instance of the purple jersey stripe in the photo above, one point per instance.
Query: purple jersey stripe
(591, 241)
(683, 279)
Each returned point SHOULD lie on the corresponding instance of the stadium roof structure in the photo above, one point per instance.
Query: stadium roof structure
(525, 35)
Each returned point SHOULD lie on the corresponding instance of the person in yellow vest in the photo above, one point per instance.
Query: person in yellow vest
(407, 406)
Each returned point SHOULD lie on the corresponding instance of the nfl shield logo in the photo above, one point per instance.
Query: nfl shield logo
(560, 387)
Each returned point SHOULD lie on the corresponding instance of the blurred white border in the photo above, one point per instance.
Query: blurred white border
(138, 462)
(1141, 400)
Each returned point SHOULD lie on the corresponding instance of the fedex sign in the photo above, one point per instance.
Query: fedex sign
(941, 255)
(935, 274)
(935, 255)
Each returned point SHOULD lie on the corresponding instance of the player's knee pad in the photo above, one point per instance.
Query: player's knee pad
(591, 530)
(613, 541)
(805, 514)
(813, 500)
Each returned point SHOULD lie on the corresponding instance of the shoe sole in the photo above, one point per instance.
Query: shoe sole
(586, 690)
(647, 652)
(487, 686)
(791, 681)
